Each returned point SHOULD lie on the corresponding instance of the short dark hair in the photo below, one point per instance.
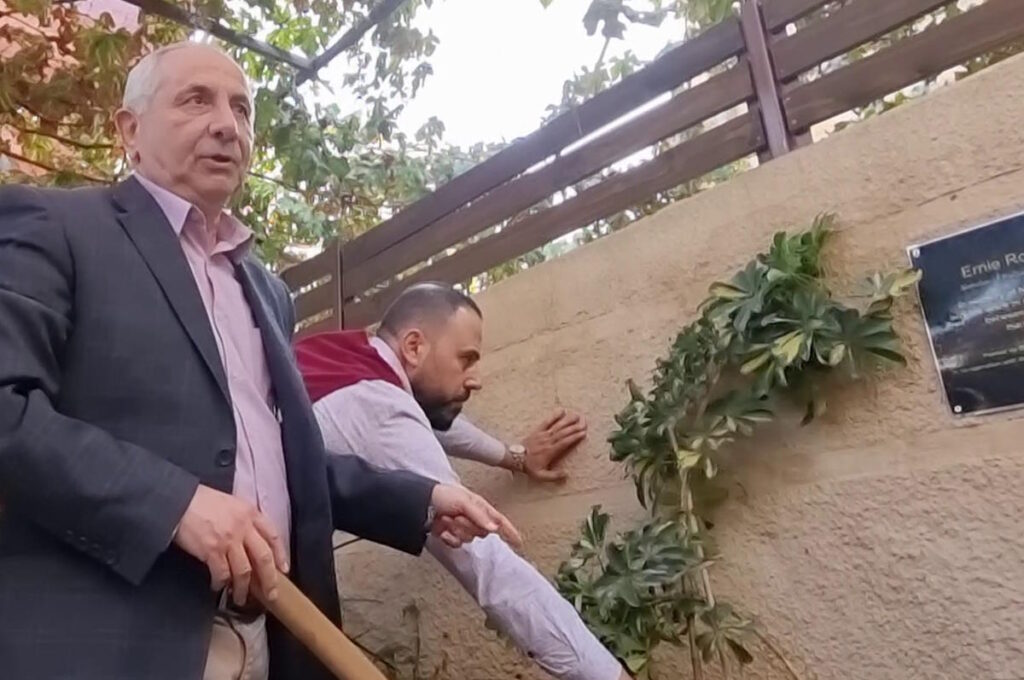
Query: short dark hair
(431, 302)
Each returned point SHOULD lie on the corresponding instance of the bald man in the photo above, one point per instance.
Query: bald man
(395, 399)
(158, 454)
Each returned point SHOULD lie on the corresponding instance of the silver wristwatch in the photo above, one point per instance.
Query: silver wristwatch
(517, 452)
(431, 514)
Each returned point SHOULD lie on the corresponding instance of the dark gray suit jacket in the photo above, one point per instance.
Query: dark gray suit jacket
(113, 407)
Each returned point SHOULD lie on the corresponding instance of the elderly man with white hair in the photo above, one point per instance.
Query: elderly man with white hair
(155, 435)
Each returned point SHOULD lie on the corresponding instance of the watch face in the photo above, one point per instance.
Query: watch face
(517, 450)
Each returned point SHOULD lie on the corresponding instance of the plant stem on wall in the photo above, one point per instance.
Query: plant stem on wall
(774, 331)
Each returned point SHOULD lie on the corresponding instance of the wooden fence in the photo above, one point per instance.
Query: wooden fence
(769, 49)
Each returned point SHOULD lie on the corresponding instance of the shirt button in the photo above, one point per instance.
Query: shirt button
(225, 458)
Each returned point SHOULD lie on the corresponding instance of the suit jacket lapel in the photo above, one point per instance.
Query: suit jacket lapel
(147, 227)
(283, 376)
(299, 431)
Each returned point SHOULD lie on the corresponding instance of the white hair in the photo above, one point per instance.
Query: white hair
(144, 78)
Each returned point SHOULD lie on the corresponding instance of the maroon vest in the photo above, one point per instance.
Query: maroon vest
(336, 359)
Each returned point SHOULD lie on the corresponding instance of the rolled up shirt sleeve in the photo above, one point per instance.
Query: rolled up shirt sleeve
(383, 423)
(465, 440)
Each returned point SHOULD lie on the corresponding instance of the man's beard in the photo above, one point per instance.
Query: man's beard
(440, 412)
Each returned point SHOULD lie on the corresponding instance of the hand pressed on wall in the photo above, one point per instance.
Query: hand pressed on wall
(549, 443)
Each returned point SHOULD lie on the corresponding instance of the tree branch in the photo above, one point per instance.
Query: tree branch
(46, 119)
(60, 138)
(183, 17)
(26, 24)
(604, 50)
(274, 180)
(50, 168)
(377, 14)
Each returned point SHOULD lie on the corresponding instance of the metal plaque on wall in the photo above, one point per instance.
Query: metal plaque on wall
(972, 293)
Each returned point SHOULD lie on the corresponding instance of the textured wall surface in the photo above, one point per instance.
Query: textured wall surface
(882, 542)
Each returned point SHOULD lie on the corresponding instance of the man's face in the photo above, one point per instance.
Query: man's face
(194, 137)
(445, 374)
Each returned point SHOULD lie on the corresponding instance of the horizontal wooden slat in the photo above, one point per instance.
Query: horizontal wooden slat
(726, 143)
(366, 312)
(685, 110)
(329, 323)
(849, 27)
(308, 271)
(323, 297)
(778, 13)
(952, 42)
(675, 67)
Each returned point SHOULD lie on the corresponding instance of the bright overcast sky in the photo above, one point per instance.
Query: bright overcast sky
(500, 63)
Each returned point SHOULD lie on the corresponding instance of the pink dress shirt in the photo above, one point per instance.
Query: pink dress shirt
(260, 476)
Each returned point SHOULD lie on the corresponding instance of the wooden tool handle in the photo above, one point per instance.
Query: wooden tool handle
(316, 632)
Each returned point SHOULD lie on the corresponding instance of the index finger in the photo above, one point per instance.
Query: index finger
(506, 529)
(481, 513)
(261, 557)
(269, 533)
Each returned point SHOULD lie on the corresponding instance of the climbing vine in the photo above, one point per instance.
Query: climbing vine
(775, 330)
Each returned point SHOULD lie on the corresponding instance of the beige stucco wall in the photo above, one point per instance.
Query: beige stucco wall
(883, 542)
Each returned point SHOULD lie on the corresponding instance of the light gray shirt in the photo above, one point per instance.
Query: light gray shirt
(383, 423)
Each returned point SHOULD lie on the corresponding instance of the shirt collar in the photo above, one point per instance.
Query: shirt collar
(389, 356)
(233, 237)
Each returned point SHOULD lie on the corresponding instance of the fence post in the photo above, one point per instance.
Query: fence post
(338, 279)
(766, 87)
